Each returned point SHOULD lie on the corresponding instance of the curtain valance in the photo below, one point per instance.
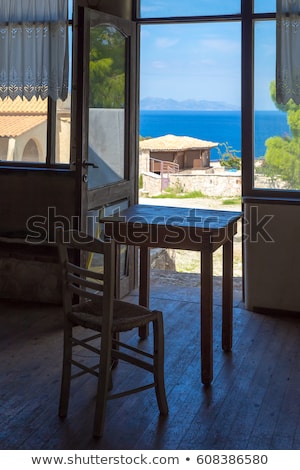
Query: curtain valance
(34, 49)
(288, 51)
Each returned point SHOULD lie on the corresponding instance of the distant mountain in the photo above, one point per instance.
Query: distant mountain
(162, 104)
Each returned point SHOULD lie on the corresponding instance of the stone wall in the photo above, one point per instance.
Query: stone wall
(151, 184)
(214, 184)
(144, 161)
(210, 184)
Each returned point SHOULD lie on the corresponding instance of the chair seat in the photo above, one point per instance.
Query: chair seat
(126, 316)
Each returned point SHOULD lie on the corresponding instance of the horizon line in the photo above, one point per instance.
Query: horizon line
(209, 110)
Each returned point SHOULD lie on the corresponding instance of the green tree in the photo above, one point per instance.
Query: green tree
(282, 157)
(107, 67)
(228, 157)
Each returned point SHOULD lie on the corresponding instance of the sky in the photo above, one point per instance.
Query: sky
(163, 8)
(203, 61)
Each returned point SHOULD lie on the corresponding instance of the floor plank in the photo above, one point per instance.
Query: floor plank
(252, 403)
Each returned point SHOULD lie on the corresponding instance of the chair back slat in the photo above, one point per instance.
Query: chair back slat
(74, 268)
(83, 282)
(87, 283)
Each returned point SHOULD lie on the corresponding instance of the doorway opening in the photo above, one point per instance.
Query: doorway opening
(190, 129)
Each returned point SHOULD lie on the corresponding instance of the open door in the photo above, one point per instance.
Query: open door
(105, 128)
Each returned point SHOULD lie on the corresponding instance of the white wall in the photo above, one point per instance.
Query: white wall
(272, 257)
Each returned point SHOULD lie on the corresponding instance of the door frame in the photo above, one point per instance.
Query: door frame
(126, 189)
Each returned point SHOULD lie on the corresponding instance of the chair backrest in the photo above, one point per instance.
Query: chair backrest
(78, 280)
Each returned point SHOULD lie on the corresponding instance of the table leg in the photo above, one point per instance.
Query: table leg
(206, 317)
(144, 290)
(227, 295)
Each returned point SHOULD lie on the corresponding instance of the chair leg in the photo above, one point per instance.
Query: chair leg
(104, 385)
(66, 371)
(158, 335)
(116, 338)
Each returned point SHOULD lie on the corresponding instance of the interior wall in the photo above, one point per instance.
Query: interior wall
(35, 193)
(272, 256)
(32, 202)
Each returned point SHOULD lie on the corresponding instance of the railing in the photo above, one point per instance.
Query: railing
(164, 168)
(161, 166)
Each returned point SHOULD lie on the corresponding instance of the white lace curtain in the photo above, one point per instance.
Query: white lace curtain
(288, 51)
(34, 49)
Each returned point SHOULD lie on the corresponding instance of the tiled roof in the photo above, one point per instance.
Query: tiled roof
(13, 126)
(19, 116)
(19, 106)
(173, 142)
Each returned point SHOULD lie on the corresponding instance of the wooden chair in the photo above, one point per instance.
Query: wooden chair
(96, 309)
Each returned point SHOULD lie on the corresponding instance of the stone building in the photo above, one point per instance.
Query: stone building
(184, 163)
(176, 152)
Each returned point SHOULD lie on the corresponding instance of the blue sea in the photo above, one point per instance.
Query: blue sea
(216, 126)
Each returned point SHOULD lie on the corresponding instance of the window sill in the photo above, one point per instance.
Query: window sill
(271, 200)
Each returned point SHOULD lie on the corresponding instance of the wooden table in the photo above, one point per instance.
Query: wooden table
(148, 226)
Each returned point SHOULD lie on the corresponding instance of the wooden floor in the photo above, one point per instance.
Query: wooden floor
(253, 402)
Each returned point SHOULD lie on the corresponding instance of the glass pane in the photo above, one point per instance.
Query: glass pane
(70, 9)
(264, 6)
(23, 130)
(165, 8)
(106, 104)
(190, 88)
(277, 149)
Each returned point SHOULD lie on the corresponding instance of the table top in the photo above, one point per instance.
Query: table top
(172, 227)
(169, 216)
